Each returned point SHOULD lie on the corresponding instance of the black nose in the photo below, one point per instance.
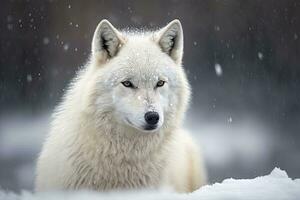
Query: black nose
(151, 117)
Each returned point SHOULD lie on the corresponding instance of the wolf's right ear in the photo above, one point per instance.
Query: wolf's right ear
(106, 41)
(170, 39)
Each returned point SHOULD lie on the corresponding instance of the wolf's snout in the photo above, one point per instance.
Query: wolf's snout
(152, 117)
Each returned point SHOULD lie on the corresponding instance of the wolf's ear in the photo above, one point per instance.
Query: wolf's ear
(170, 39)
(106, 41)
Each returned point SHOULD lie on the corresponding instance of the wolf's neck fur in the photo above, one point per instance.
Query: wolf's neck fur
(112, 156)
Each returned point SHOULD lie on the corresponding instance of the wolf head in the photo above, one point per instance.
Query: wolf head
(139, 81)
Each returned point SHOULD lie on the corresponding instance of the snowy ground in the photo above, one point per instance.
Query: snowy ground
(276, 185)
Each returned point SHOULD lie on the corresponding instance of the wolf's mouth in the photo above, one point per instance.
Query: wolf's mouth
(146, 128)
(150, 127)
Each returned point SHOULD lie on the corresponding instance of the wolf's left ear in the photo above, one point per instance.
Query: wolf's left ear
(106, 41)
(170, 39)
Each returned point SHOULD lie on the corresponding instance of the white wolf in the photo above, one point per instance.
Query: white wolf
(119, 124)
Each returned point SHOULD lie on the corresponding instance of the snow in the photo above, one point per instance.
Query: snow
(229, 120)
(276, 185)
(218, 69)
(46, 40)
(10, 26)
(295, 36)
(29, 78)
(260, 55)
(66, 47)
(31, 129)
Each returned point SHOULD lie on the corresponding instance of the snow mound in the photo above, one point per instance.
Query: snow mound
(276, 185)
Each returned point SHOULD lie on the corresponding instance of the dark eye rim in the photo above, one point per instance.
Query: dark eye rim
(127, 84)
(160, 83)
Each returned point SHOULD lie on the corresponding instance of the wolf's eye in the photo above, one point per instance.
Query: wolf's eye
(127, 84)
(160, 83)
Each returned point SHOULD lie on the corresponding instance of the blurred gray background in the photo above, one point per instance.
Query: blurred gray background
(241, 57)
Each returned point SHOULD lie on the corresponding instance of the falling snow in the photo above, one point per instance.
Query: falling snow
(218, 69)
(66, 47)
(46, 40)
(29, 78)
(10, 26)
(260, 55)
(9, 18)
(295, 36)
(217, 28)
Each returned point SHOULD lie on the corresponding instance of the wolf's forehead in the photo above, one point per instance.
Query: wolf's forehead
(140, 73)
(140, 51)
(142, 60)
(143, 53)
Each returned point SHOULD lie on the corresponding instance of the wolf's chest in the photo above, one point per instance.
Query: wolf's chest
(106, 174)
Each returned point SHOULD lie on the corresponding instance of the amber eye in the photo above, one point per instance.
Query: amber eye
(160, 83)
(127, 84)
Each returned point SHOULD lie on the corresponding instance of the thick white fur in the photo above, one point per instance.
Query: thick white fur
(97, 139)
